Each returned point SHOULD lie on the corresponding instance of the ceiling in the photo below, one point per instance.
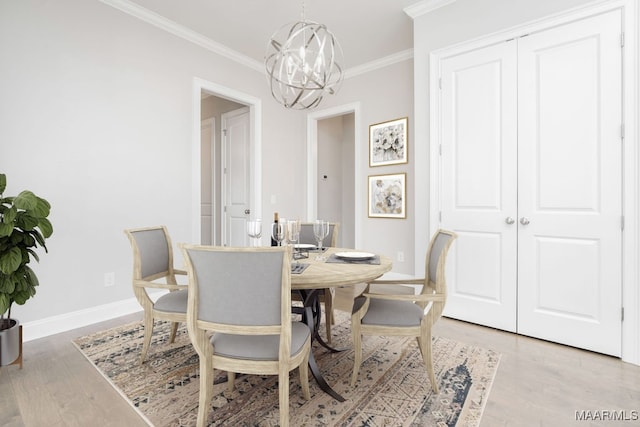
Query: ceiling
(367, 30)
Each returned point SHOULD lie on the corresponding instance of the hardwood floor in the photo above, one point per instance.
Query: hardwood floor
(537, 384)
(59, 387)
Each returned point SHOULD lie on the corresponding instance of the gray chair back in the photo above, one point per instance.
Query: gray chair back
(435, 267)
(307, 237)
(154, 249)
(238, 286)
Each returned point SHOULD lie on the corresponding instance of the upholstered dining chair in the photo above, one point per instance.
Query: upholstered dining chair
(239, 318)
(406, 315)
(153, 269)
(326, 295)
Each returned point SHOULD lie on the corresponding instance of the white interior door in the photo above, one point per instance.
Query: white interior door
(570, 184)
(479, 184)
(531, 131)
(236, 176)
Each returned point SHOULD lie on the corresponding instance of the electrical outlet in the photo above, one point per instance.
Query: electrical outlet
(109, 279)
(400, 256)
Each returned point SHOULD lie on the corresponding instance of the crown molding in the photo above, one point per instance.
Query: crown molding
(183, 32)
(379, 63)
(425, 6)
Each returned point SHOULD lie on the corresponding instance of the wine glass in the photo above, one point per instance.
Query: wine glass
(293, 231)
(320, 231)
(279, 231)
(254, 230)
(293, 234)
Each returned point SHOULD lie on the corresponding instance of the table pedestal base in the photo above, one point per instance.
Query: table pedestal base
(311, 313)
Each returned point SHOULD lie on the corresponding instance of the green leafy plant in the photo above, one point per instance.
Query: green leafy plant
(23, 227)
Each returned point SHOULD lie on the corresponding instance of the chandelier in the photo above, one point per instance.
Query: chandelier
(303, 64)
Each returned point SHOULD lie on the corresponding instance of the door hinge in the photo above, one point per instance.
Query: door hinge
(224, 132)
(622, 130)
(622, 223)
(621, 39)
(224, 209)
(622, 314)
(440, 216)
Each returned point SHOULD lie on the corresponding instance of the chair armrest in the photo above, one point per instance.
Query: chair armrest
(155, 285)
(411, 298)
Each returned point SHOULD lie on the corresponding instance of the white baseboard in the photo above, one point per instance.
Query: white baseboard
(88, 316)
(77, 319)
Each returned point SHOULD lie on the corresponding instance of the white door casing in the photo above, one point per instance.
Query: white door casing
(208, 214)
(567, 241)
(236, 182)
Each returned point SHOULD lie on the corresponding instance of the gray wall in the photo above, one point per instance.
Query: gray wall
(384, 94)
(96, 115)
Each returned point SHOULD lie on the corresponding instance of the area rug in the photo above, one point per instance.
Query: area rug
(393, 388)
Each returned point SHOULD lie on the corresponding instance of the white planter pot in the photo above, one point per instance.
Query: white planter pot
(10, 343)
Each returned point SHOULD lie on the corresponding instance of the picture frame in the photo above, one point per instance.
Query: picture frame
(388, 142)
(388, 196)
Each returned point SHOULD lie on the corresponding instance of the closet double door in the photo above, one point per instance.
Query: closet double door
(531, 180)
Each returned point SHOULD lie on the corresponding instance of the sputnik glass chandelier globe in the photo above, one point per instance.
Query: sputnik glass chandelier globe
(303, 64)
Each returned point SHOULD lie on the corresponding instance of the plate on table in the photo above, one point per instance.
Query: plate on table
(355, 256)
(304, 246)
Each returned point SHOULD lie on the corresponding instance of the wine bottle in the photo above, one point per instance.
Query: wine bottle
(274, 242)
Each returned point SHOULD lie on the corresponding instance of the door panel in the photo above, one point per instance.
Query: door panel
(531, 180)
(478, 152)
(237, 177)
(570, 184)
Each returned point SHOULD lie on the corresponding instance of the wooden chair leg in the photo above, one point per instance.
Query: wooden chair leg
(206, 391)
(148, 333)
(231, 379)
(356, 336)
(174, 330)
(304, 375)
(283, 389)
(328, 313)
(425, 348)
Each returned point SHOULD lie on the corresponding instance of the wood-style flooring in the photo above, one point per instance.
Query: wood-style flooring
(537, 384)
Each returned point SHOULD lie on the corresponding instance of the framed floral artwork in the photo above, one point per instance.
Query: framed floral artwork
(388, 196)
(388, 143)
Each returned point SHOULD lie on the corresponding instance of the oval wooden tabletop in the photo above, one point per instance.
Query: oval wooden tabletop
(322, 274)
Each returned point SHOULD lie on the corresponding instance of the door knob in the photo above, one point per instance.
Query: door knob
(524, 220)
(247, 211)
(509, 220)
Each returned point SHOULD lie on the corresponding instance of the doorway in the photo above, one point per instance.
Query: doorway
(531, 179)
(213, 101)
(332, 189)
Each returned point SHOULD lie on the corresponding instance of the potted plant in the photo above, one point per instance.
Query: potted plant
(23, 227)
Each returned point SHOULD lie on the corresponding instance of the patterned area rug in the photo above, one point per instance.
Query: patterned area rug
(393, 387)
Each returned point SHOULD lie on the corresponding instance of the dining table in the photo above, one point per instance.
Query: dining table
(314, 270)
